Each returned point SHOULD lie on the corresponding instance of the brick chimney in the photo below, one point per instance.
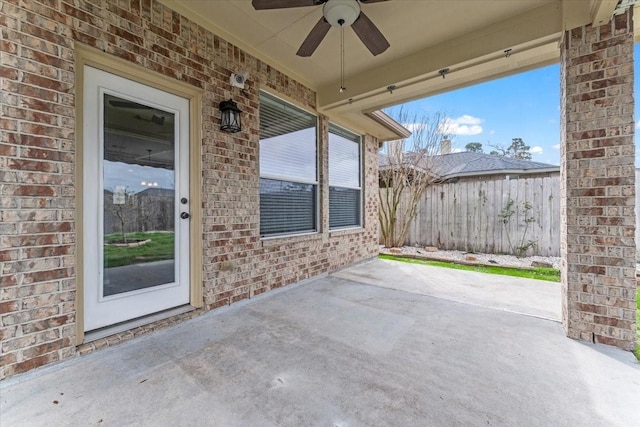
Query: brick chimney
(445, 146)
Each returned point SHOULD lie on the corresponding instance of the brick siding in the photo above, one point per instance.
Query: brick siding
(37, 169)
(598, 184)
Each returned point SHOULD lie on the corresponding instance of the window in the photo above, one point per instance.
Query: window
(288, 168)
(344, 179)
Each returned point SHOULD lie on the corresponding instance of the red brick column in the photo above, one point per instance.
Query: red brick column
(598, 184)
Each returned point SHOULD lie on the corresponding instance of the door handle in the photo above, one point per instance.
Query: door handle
(184, 215)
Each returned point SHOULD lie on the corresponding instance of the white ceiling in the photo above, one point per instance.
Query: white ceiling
(467, 36)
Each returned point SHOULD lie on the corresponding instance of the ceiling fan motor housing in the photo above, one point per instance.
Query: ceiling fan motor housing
(340, 13)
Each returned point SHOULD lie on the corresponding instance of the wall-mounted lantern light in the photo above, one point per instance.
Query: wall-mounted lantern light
(230, 117)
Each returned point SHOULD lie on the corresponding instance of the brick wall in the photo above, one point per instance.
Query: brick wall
(598, 184)
(37, 155)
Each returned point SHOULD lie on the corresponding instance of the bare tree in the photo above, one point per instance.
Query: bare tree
(123, 206)
(406, 172)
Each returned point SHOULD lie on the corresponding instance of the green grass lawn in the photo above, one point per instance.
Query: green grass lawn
(160, 247)
(540, 273)
(638, 324)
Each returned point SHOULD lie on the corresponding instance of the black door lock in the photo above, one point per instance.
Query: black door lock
(184, 215)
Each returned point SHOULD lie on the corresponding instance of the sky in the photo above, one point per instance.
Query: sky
(525, 105)
(134, 178)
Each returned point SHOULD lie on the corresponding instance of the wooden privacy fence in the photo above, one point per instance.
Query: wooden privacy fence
(466, 216)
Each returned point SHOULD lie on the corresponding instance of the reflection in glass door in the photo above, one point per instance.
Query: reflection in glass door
(135, 199)
(139, 194)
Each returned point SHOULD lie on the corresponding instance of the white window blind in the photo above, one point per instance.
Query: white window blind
(288, 168)
(345, 198)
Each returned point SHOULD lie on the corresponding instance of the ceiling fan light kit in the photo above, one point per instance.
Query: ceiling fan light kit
(341, 12)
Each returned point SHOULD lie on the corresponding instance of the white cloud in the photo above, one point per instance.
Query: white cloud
(492, 132)
(456, 150)
(412, 127)
(536, 149)
(638, 124)
(556, 147)
(464, 125)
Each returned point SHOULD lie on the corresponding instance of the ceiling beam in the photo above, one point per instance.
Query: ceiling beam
(532, 38)
(602, 11)
(540, 23)
(465, 74)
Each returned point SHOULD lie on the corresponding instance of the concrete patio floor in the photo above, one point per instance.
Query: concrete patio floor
(378, 344)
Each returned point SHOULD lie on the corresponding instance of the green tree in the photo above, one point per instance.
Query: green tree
(517, 150)
(474, 147)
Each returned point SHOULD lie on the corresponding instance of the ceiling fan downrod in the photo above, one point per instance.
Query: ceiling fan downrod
(342, 88)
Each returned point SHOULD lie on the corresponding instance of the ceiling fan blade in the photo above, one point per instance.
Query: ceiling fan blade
(310, 44)
(370, 34)
(281, 4)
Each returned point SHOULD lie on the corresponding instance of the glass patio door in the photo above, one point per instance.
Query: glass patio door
(135, 199)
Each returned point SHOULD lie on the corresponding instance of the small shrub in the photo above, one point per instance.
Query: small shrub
(506, 215)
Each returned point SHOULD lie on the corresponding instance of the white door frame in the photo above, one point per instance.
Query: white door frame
(102, 311)
(89, 56)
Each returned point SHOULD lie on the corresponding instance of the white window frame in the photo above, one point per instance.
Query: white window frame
(360, 177)
(277, 177)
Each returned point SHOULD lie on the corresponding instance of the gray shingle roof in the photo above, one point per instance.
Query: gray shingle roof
(446, 166)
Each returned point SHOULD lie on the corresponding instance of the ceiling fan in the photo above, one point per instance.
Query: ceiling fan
(337, 13)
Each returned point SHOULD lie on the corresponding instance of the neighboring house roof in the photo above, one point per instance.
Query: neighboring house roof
(454, 165)
(472, 164)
